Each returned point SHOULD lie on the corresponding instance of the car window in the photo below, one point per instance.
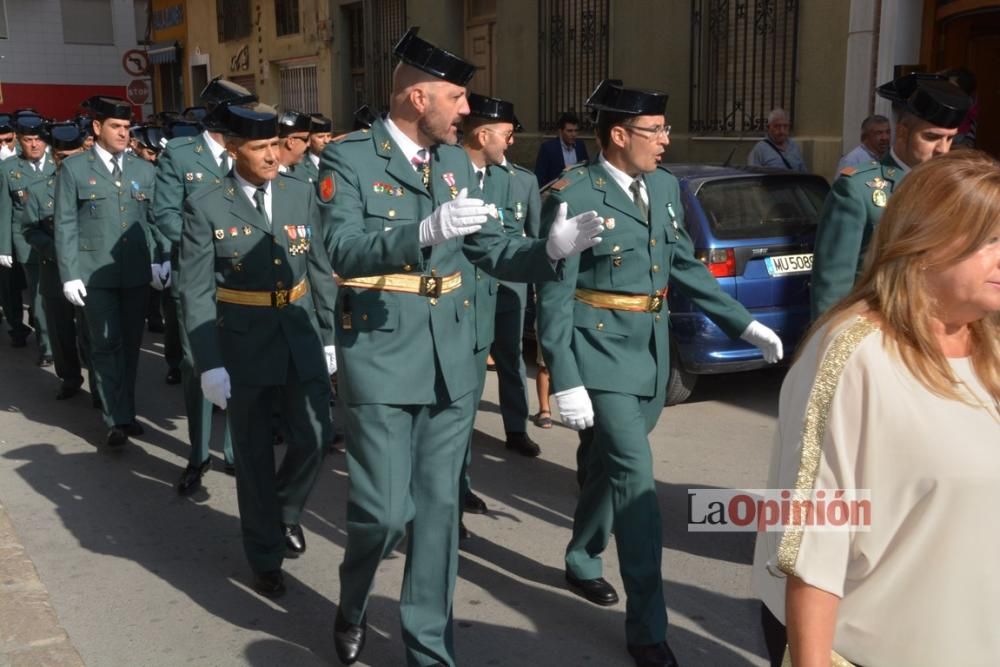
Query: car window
(764, 206)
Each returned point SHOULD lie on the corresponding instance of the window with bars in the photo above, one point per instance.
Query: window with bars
(373, 28)
(743, 56)
(299, 90)
(573, 56)
(233, 19)
(286, 17)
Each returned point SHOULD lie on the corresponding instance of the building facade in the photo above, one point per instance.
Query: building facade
(56, 53)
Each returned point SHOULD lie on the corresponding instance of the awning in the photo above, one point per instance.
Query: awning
(163, 52)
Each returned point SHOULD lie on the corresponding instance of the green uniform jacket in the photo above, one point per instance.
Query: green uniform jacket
(185, 166)
(15, 181)
(227, 243)
(38, 231)
(610, 350)
(522, 213)
(846, 225)
(104, 232)
(398, 343)
(306, 170)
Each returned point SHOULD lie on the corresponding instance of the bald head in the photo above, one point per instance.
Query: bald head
(428, 109)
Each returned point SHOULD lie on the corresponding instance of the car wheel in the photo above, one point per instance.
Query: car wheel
(680, 383)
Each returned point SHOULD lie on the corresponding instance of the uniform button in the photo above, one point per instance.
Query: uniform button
(656, 268)
(123, 209)
(364, 317)
(407, 267)
(238, 267)
(616, 248)
(433, 301)
(478, 276)
(279, 284)
(275, 241)
(124, 225)
(657, 318)
(466, 303)
(600, 326)
(652, 242)
(277, 261)
(392, 213)
(236, 253)
(434, 273)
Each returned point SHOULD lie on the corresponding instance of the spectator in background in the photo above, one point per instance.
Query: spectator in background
(966, 80)
(777, 150)
(875, 138)
(563, 151)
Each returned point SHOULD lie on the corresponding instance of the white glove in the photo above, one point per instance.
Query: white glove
(74, 291)
(165, 274)
(764, 340)
(215, 386)
(6, 261)
(459, 217)
(331, 359)
(575, 408)
(573, 236)
(156, 282)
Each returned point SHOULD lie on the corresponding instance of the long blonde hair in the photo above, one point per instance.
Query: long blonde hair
(944, 211)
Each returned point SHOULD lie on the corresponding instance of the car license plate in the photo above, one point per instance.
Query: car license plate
(783, 265)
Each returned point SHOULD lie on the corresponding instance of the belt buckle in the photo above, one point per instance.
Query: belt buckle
(279, 298)
(430, 286)
(655, 303)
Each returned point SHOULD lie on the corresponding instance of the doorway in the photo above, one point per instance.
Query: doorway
(480, 26)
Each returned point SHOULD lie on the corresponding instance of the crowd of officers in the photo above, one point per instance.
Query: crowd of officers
(283, 257)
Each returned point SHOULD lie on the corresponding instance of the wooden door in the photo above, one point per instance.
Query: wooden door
(479, 51)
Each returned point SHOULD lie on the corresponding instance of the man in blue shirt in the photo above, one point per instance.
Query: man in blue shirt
(777, 150)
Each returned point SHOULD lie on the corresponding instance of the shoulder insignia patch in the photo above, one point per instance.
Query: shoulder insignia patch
(847, 171)
(559, 185)
(327, 187)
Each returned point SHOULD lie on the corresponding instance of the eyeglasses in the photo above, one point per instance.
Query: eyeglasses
(654, 132)
(304, 139)
(506, 135)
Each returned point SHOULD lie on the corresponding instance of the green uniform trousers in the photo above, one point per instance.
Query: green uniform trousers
(11, 300)
(61, 317)
(269, 497)
(173, 347)
(404, 462)
(197, 408)
(465, 481)
(115, 319)
(508, 355)
(38, 319)
(619, 495)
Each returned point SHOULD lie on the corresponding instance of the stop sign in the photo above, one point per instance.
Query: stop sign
(138, 91)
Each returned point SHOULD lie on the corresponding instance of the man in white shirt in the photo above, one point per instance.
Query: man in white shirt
(875, 137)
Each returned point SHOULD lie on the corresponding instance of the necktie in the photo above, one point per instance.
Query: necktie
(636, 189)
(258, 199)
(37, 165)
(224, 162)
(116, 171)
(482, 177)
(423, 166)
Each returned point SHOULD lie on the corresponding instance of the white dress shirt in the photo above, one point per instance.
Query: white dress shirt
(569, 154)
(219, 151)
(409, 147)
(249, 189)
(623, 180)
(107, 158)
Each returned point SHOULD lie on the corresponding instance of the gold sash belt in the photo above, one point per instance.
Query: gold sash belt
(277, 299)
(637, 303)
(431, 286)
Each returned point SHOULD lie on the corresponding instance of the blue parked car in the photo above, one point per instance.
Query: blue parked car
(754, 229)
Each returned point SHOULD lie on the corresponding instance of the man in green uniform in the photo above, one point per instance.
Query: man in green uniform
(29, 167)
(320, 134)
(108, 257)
(928, 110)
(604, 334)
(293, 131)
(488, 131)
(256, 292)
(187, 165)
(402, 225)
(36, 225)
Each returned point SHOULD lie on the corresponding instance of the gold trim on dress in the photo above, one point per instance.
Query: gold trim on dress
(277, 299)
(637, 303)
(431, 286)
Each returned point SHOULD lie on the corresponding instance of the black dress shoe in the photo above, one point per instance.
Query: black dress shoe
(653, 655)
(190, 480)
(95, 402)
(522, 444)
(229, 468)
(349, 638)
(45, 360)
(155, 326)
(473, 504)
(116, 437)
(295, 541)
(173, 376)
(67, 391)
(269, 584)
(598, 591)
(132, 428)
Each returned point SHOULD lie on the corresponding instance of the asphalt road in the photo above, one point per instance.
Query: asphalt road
(140, 576)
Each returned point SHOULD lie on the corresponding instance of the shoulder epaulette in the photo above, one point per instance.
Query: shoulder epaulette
(847, 171)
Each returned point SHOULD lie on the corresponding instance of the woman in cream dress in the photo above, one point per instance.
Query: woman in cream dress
(896, 392)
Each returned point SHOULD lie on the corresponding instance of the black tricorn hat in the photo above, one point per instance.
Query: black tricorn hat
(195, 113)
(29, 125)
(319, 123)
(610, 95)
(85, 123)
(6, 123)
(152, 137)
(251, 122)
(493, 108)
(109, 107)
(930, 97)
(426, 57)
(182, 128)
(291, 121)
(364, 117)
(219, 91)
(66, 136)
